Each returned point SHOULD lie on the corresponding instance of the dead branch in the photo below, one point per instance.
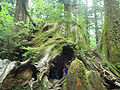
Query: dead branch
(25, 62)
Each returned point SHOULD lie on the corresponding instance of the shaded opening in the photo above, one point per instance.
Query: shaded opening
(30, 69)
(60, 65)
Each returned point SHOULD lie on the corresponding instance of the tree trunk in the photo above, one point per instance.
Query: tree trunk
(95, 21)
(20, 13)
(68, 9)
(87, 21)
(102, 15)
(110, 42)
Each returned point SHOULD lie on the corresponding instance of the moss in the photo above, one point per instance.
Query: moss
(46, 83)
(87, 77)
(55, 44)
(14, 83)
(79, 78)
(64, 85)
(37, 85)
(42, 85)
(95, 81)
(76, 78)
(110, 44)
(17, 80)
(55, 41)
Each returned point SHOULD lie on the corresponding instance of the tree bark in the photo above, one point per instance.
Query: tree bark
(68, 9)
(110, 42)
(20, 13)
(95, 21)
(87, 21)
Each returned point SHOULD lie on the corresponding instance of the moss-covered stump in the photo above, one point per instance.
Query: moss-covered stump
(95, 81)
(76, 78)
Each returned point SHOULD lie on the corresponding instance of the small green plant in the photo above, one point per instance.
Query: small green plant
(6, 18)
(10, 44)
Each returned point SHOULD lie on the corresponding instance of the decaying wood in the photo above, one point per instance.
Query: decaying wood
(43, 65)
(7, 69)
(57, 85)
(31, 82)
(107, 75)
(11, 66)
(25, 62)
(117, 84)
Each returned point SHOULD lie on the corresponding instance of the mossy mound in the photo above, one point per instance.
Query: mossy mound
(79, 78)
(76, 78)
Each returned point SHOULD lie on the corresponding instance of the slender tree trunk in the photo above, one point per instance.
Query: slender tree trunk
(86, 20)
(95, 21)
(96, 27)
(68, 9)
(102, 15)
(110, 43)
(76, 14)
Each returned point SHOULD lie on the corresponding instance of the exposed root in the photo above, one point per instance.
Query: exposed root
(110, 80)
(57, 85)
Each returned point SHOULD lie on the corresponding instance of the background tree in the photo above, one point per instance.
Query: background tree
(20, 13)
(87, 20)
(68, 9)
(95, 20)
(95, 16)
